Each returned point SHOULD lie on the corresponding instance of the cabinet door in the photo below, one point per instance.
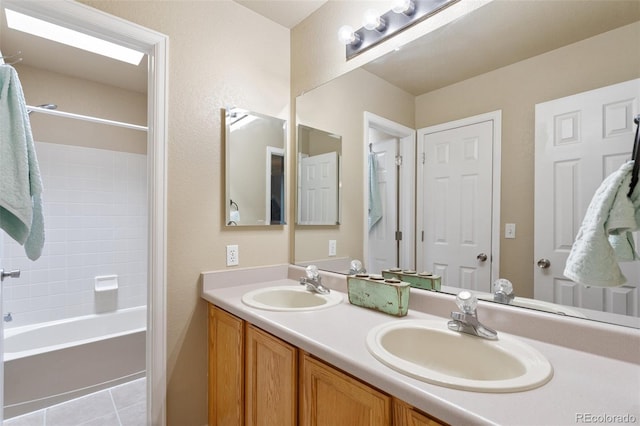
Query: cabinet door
(405, 415)
(271, 386)
(226, 378)
(331, 398)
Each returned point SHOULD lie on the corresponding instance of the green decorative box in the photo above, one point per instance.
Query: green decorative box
(390, 295)
(423, 280)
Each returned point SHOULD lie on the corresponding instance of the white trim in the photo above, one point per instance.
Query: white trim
(496, 118)
(407, 137)
(83, 18)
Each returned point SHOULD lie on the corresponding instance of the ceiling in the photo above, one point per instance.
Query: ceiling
(498, 34)
(41, 53)
(55, 57)
(287, 13)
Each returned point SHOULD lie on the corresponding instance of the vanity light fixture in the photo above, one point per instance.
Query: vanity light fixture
(40, 28)
(377, 28)
(374, 21)
(348, 36)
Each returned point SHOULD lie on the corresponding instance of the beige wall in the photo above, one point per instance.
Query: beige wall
(337, 107)
(515, 90)
(84, 97)
(220, 54)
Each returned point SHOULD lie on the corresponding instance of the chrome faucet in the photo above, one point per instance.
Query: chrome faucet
(503, 291)
(313, 281)
(467, 320)
(355, 267)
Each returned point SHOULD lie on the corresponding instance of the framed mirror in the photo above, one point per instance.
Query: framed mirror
(318, 180)
(254, 168)
(520, 58)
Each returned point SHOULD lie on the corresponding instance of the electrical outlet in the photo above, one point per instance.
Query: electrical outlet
(332, 247)
(233, 255)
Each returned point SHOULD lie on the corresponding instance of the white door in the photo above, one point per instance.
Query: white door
(399, 205)
(383, 246)
(579, 140)
(319, 189)
(455, 202)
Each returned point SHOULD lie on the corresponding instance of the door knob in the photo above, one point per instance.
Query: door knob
(10, 274)
(482, 257)
(544, 263)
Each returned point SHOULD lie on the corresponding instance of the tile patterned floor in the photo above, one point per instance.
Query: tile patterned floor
(122, 405)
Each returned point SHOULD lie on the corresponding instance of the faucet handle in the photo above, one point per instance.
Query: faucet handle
(466, 301)
(312, 272)
(503, 285)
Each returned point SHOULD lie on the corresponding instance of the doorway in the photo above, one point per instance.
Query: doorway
(390, 241)
(85, 19)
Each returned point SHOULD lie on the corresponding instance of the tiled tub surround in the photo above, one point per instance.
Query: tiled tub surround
(95, 209)
(596, 366)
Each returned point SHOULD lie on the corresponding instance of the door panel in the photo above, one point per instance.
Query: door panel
(580, 140)
(457, 213)
(319, 185)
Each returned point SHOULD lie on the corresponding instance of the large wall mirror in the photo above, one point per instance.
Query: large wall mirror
(503, 59)
(254, 168)
(318, 179)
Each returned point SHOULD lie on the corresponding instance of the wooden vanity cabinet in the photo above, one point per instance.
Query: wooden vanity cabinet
(330, 397)
(256, 378)
(226, 368)
(271, 387)
(252, 374)
(406, 415)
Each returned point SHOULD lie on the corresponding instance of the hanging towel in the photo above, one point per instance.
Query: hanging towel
(20, 184)
(605, 238)
(375, 203)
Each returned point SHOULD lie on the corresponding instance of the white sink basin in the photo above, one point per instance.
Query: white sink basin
(290, 298)
(427, 350)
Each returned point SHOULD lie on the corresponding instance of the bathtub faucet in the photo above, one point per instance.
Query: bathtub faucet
(8, 317)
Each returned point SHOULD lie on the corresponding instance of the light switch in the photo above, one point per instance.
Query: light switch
(332, 247)
(510, 230)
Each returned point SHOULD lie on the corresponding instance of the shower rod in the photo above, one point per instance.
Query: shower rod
(86, 118)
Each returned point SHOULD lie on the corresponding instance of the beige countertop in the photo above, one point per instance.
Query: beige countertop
(587, 386)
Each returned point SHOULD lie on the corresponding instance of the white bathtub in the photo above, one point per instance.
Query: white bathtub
(52, 362)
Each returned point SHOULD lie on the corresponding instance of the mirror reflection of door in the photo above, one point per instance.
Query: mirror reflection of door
(580, 140)
(456, 202)
(319, 189)
(383, 245)
(390, 241)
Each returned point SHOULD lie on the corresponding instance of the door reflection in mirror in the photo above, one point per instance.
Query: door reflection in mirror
(318, 177)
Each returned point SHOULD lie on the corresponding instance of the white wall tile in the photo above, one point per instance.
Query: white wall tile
(95, 207)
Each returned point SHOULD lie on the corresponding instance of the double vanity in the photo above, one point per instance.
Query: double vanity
(278, 348)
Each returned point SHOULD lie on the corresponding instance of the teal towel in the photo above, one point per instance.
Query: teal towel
(375, 203)
(605, 238)
(21, 213)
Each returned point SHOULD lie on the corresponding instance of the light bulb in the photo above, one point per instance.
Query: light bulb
(373, 21)
(403, 6)
(346, 35)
